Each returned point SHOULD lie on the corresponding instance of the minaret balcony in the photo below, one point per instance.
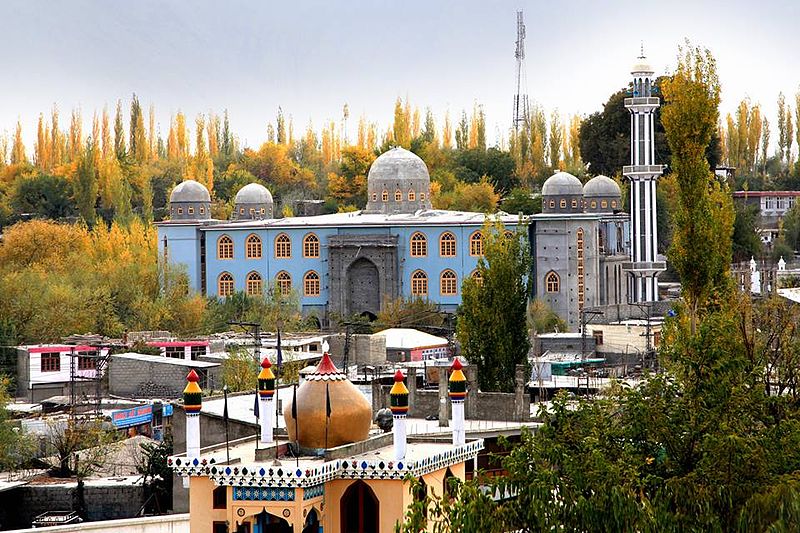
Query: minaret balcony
(644, 103)
(642, 171)
(644, 268)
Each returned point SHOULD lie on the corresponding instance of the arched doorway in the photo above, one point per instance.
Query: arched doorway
(363, 288)
(359, 509)
(311, 525)
(269, 523)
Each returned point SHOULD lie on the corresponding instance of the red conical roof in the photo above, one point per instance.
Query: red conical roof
(398, 376)
(456, 364)
(326, 365)
(265, 363)
(192, 376)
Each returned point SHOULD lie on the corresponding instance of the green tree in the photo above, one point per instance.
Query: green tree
(701, 244)
(492, 325)
(86, 186)
(16, 447)
(239, 370)
(519, 200)
(44, 195)
(746, 242)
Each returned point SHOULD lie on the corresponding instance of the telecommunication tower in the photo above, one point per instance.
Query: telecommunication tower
(520, 98)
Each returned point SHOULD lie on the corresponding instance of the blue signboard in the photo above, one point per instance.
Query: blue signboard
(167, 409)
(126, 418)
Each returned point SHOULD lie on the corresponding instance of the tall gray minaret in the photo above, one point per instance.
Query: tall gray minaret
(643, 172)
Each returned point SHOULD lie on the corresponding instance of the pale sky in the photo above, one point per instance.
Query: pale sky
(312, 57)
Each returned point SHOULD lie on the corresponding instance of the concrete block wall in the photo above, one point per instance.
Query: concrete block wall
(149, 379)
(364, 349)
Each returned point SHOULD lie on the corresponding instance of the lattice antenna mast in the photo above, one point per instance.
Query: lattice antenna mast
(520, 99)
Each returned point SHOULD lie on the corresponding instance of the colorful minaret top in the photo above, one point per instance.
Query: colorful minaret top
(457, 383)
(643, 172)
(266, 380)
(398, 396)
(192, 394)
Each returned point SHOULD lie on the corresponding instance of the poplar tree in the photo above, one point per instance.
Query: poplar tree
(85, 186)
(782, 134)
(18, 148)
(119, 134)
(556, 133)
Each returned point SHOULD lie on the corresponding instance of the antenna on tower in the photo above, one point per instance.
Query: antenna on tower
(520, 100)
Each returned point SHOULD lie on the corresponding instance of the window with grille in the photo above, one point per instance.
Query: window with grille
(412, 196)
(552, 282)
(476, 244)
(255, 284)
(283, 246)
(50, 362)
(447, 245)
(225, 284)
(197, 352)
(385, 196)
(398, 195)
(311, 246)
(419, 245)
(86, 360)
(562, 203)
(311, 284)
(284, 281)
(419, 283)
(225, 248)
(448, 283)
(253, 246)
(175, 352)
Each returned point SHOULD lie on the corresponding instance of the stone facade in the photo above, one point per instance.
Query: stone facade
(157, 377)
(364, 349)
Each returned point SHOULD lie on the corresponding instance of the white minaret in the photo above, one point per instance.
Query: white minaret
(643, 172)
(398, 403)
(266, 395)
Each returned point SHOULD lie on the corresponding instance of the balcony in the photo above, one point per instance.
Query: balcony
(644, 268)
(642, 101)
(642, 170)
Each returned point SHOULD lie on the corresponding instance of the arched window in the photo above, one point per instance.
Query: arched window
(385, 196)
(225, 285)
(477, 276)
(476, 244)
(448, 283)
(604, 204)
(311, 246)
(563, 203)
(447, 244)
(311, 284)
(594, 204)
(552, 204)
(508, 234)
(613, 204)
(374, 197)
(284, 282)
(253, 247)
(419, 245)
(421, 494)
(255, 285)
(359, 509)
(398, 195)
(190, 211)
(574, 204)
(419, 283)
(422, 196)
(412, 196)
(224, 248)
(283, 246)
(552, 282)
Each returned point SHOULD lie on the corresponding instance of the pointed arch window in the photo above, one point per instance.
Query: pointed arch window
(284, 282)
(448, 283)
(311, 246)
(398, 195)
(385, 196)
(225, 285)
(255, 284)
(552, 282)
(224, 247)
(253, 247)
(476, 244)
(283, 247)
(419, 283)
(311, 284)
(447, 244)
(419, 245)
(412, 196)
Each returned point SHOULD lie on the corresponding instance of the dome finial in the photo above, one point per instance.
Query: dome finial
(399, 395)
(641, 50)
(266, 379)
(457, 384)
(192, 394)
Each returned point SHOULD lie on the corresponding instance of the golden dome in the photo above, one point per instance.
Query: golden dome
(350, 412)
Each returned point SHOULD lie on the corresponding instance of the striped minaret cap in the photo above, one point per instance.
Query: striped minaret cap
(192, 394)
(398, 396)
(266, 380)
(457, 383)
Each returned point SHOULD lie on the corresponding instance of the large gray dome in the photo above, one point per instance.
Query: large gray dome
(190, 191)
(562, 193)
(253, 201)
(190, 200)
(601, 186)
(398, 182)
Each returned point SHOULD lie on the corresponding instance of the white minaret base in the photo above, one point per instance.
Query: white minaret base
(193, 435)
(459, 435)
(399, 437)
(266, 412)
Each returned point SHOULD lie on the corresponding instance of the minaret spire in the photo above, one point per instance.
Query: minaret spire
(643, 172)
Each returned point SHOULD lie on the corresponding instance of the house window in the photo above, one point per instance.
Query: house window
(419, 245)
(51, 362)
(448, 283)
(220, 498)
(447, 244)
(598, 336)
(283, 246)
(86, 360)
(385, 196)
(398, 196)
(225, 248)
(174, 352)
(552, 282)
(225, 284)
(197, 352)
(412, 196)
(311, 284)
(419, 283)
(311, 246)
(476, 244)
(255, 285)
(284, 281)
(253, 247)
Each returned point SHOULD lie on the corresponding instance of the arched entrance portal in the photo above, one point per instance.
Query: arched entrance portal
(311, 525)
(363, 288)
(269, 523)
(359, 509)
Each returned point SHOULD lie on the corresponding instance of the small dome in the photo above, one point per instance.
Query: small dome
(351, 412)
(642, 66)
(398, 182)
(601, 186)
(562, 184)
(189, 191)
(253, 193)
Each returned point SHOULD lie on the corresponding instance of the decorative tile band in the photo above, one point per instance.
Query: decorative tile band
(271, 494)
(313, 492)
